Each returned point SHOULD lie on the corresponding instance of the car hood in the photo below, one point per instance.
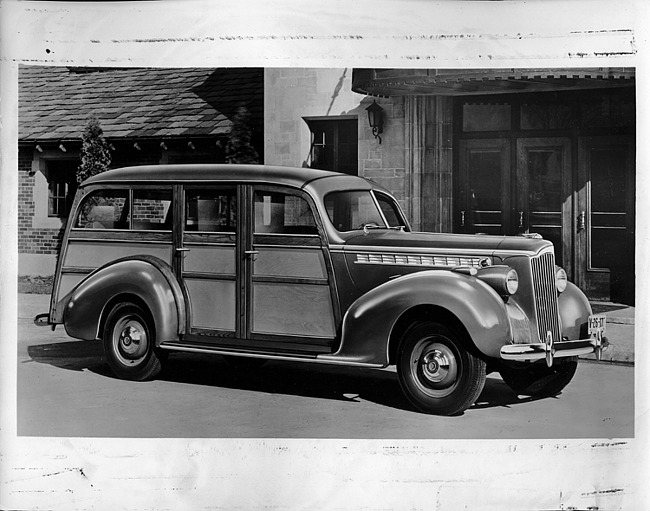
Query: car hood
(380, 239)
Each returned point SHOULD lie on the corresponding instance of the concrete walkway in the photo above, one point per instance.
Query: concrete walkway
(619, 331)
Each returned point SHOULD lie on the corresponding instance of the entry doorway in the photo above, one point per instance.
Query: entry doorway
(533, 195)
(537, 185)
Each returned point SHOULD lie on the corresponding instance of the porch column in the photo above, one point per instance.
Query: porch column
(428, 141)
(437, 183)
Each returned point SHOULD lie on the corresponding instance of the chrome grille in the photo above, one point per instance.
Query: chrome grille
(543, 268)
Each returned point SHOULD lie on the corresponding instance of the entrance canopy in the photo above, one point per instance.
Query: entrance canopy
(458, 82)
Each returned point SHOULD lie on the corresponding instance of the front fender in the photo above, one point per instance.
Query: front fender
(575, 310)
(146, 278)
(368, 323)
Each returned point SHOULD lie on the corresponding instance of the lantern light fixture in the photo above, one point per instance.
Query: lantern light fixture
(376, 119)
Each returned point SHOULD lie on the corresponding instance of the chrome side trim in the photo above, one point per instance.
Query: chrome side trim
(419, 260)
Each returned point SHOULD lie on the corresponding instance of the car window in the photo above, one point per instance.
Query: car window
(352, 210)
(152, 210)
(281, 213)
(211, 210)
(390, 211)
(104, 209)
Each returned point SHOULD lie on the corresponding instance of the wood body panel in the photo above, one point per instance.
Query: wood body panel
(212, 303)
(93, 254)
(292, 309)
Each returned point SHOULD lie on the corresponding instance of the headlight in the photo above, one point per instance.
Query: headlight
(502, 278)
(512, 282)
(561, 279)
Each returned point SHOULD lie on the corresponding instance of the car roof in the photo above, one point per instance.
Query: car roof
(292, 176)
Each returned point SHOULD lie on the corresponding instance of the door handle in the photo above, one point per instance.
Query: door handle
(251, 254)
(180, 250)
(582, 221)
(521, 219)
(462, 218)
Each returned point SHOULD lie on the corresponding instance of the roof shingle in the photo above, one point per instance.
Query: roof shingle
(55, 103)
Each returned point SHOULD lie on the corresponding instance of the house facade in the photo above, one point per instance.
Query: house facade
(514, 151)
(148, 116)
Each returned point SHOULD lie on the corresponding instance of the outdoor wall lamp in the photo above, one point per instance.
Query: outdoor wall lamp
(376, 119)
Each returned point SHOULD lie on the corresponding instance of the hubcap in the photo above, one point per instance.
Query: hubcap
(130, 340)
(435, 367)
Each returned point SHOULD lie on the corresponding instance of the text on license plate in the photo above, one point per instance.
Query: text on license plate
(597, 323)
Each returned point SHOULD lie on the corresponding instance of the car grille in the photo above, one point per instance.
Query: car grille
(545, 292)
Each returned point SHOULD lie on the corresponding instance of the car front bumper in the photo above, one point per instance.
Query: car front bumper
(550, 350)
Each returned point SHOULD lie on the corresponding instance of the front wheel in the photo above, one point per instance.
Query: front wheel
(437, 372)
(539, 380)
(129, 343)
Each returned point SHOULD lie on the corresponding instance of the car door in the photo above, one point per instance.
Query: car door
(210, 261)
(289, 300)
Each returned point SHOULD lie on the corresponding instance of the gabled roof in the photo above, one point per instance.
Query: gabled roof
(55, 103)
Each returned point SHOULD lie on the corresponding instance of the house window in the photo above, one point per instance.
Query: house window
(62, 185)
(334, 145)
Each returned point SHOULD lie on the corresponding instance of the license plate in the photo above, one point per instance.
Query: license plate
(597, 324)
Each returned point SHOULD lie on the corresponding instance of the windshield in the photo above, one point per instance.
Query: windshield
(351, 210)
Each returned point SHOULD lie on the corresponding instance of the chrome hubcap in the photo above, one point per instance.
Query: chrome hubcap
(435, 368)
(130, 340)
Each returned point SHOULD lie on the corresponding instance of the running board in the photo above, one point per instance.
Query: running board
(286, 357)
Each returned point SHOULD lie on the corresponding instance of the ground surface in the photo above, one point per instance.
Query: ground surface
(65, 388)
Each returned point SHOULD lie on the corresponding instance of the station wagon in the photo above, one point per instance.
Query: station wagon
(260, 263)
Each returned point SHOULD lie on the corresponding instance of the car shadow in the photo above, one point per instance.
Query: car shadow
(318, 381)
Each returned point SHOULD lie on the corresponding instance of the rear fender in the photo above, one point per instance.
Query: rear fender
(370, 320)
(146, 279)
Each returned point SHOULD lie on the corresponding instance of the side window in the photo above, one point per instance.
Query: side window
(61, 187)
(152, 210)
(104, 209)
(279, 213)
(211, 210)
(389, 210)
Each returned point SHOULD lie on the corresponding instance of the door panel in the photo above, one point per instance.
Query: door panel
(303, 310)
(484, 196)
(606, 229)
(209, 260)
(289, 273)
(543, 204)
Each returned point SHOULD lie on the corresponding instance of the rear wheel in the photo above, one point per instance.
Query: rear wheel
(129, 343)
(436, 372)
(538, 379)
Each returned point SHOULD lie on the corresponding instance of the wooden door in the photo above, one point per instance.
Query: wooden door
(289, 303)
(208, 253)
(484, 197)
(544, 193)
(606, 217)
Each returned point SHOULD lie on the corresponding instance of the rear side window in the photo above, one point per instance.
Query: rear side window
(152, 210)
(280, 213)
(104, 209)
(211, 210)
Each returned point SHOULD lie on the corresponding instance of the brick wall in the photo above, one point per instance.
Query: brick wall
(32, 240)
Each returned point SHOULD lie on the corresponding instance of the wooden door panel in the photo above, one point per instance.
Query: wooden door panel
(302, 310)
(544, 195)
(484, 187)
(213, 303)
(606, 205)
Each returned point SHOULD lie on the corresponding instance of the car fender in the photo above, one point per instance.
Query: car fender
(146, 279)
(575, 310)
(369, 321)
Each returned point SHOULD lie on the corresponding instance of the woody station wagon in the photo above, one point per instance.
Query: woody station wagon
(261, 263)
